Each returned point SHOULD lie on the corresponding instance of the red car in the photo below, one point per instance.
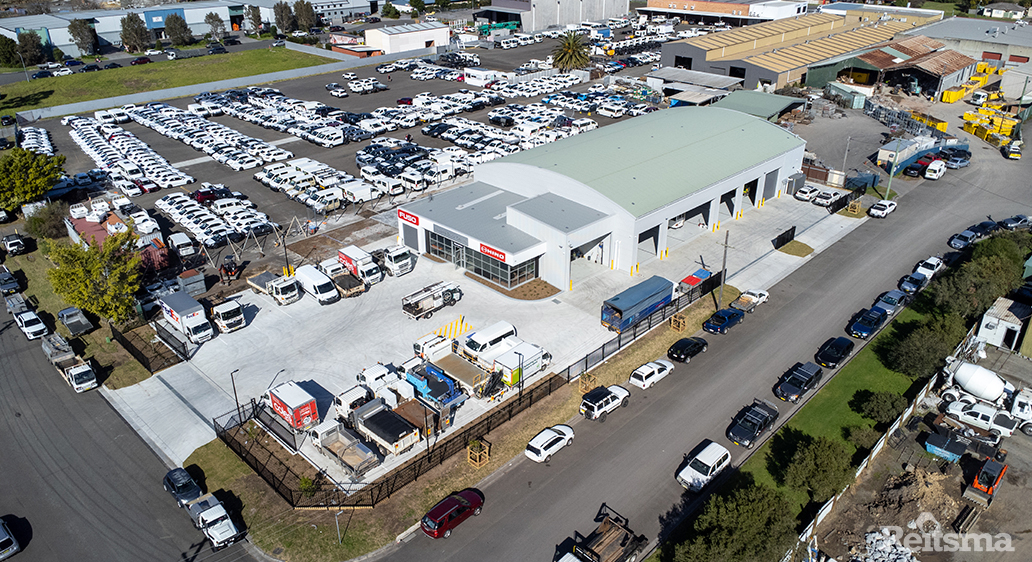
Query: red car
(405, 101)
(928, 159)
(451, 511)
(140, 60)
(204, 196)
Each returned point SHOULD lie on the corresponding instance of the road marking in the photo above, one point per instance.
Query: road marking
(454, 329)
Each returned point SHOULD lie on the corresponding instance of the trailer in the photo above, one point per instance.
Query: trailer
(16, 304)
(428, 300)
(625, 310)
(611, 541)
(391, 433)
(283, 290)
(337, 442)
(75, 321)
(76, 371)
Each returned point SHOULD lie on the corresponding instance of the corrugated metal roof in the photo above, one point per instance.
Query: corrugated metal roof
(758, 104)
(752, 33)
(33, 22)
(1004, 6)
(894, 52)
(697, 95)
(939, 63)
(476, 210)
(648, 162)
(803, 54)
(1009, 311)
(881, 9)
(980, 30)
(673, 74)
(410, 28)
(559, 212)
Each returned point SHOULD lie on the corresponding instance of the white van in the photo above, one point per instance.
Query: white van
(523, 39)
(539, 37)
(935, 170)
(528, 129)
(412, 181)
(104, 116)
(317, 284)
(611, 111)
(129, 170)
(181, 244)
(327, 200)
(359, 192)
(481, 341)
(223, 206)
(390, 186)
(584, 124)
(509, 43)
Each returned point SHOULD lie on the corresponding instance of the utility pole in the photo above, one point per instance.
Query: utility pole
(723, 270)
(892, 169)
(844, 156)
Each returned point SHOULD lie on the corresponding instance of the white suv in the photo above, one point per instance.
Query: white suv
(704, 467)
(597, 403)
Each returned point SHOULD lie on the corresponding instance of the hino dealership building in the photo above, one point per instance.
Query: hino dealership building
(610, 198)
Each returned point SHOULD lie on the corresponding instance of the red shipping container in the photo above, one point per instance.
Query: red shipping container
(294, 405)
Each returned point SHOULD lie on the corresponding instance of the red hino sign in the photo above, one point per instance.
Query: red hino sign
(489, 251)
(408, 217)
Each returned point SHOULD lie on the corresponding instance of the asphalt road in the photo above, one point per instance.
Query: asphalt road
(77, 482)
(629, 462)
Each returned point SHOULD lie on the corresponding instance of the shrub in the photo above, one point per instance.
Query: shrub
(48, 222)
(883, 407)
(863, 437)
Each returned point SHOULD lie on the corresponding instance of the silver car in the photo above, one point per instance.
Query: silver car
(8, 544)
(892, 302)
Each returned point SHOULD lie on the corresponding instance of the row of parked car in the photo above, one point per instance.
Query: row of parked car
(535, 87)
(984, 229)
(222, 220)
(133, 167)
(934, 164)
(36, 139)
(225, 145)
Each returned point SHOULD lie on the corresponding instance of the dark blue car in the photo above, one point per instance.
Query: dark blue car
(723, 320)
(868, 323)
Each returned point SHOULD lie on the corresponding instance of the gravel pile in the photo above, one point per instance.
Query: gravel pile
(883, 547)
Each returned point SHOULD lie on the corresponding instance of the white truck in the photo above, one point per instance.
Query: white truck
(283, 290)
(520, 362)
(335, 441)
(73, 369)
(377, 423)
(187, 316)
(977, 396)
(428, 300)
(360, 263)
(347, 284)
(227, 314)
(210, 516)
(182, 245)
(395, 261)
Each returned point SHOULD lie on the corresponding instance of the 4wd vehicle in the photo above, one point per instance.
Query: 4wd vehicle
(650, 373)
(882, 208)
(181, 485)
(1017, 222)
(834, 351)
(684, 349)
(752, 422)
(14, 244)
(723, 320)
(597, 403)
(704, 467)
(450, 512)
(549, 442)
(30, 324)
(8, 283)
(983, 416)
(802, 378)
(869, 322)
(807, 193)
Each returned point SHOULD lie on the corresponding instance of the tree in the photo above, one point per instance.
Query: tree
(99, 278)
(973, 288)
(1005, 247)
(25, 176)
(304, 13)
(83, 5)
(417, 5)
(135, 35)
(57, 54)
(30, 47)
(751, 524)
(442, 4)
(389, 11)
(177, 30)
(254, 17)
(920, 353)
(37, 7)
(883, 407)
(9, 52)
(820, 467)
(48, 222)
(570, 53)
(284, 17)
(158, 45)
(83, 36)
(218, 27)
(863, 437)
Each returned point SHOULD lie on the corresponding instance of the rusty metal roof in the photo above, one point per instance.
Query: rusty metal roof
(892, 53)
(939, 63)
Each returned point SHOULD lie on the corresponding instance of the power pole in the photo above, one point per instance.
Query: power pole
(844, 156)
(723, 270)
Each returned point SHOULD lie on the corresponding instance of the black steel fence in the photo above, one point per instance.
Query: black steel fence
(272, 422)
(153, 357)
(231, 429)
(178, 346)
(656, 318)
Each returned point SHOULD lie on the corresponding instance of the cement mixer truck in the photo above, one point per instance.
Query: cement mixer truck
(971, 384)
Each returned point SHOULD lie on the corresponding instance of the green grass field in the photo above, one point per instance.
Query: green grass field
(948, 8)
(61, 90)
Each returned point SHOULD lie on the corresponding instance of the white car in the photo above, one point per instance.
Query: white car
(807, 193)
(882, 208)
(826, 198)
(650, 373)
(930, 267)
(548, 442)
(704, 467)
(339, 93)
(143, 223)
(152, 52)
(299, 33)
(348, 76)
(983, 416)
(63, 72)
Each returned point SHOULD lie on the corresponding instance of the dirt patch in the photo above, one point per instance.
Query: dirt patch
(325, 244)
(536, 289)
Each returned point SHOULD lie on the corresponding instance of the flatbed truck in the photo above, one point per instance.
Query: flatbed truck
(283, 290)
(611, 541)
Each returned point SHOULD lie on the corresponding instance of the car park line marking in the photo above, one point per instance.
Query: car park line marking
(200, 160)
(283, 141)
(454, 328)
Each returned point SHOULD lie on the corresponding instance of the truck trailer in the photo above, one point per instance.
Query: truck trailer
(611, 541)
(627, 309)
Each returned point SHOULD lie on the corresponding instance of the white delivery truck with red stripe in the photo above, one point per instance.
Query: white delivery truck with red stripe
(360, 263)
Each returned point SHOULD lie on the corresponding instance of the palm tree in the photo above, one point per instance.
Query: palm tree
(570, 53)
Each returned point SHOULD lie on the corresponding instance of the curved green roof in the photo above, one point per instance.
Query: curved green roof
(648, 162)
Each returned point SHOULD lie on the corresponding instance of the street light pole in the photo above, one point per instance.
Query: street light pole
(521, 372)
(232, 379)
(25, 70)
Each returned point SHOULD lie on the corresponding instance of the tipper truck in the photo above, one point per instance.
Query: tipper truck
(347, 284)
(187, 316)
(73, 369)
(611, 541)
(283, 290)
(428, 300)
(210, 516)
(336, 442)
(625, 310)
(360, 263)
(390, 432)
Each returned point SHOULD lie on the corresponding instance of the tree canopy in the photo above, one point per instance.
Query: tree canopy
(135, 35)
(304, 14)
(48, 222)
(820, 466)
(254, 17)
(31, 48)
(26, 176)
(9, 52)
(920, 353)
(570, 53)
(284, 17)
(101, 279)
(217, 26)
(83, 35)
(177, 30)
